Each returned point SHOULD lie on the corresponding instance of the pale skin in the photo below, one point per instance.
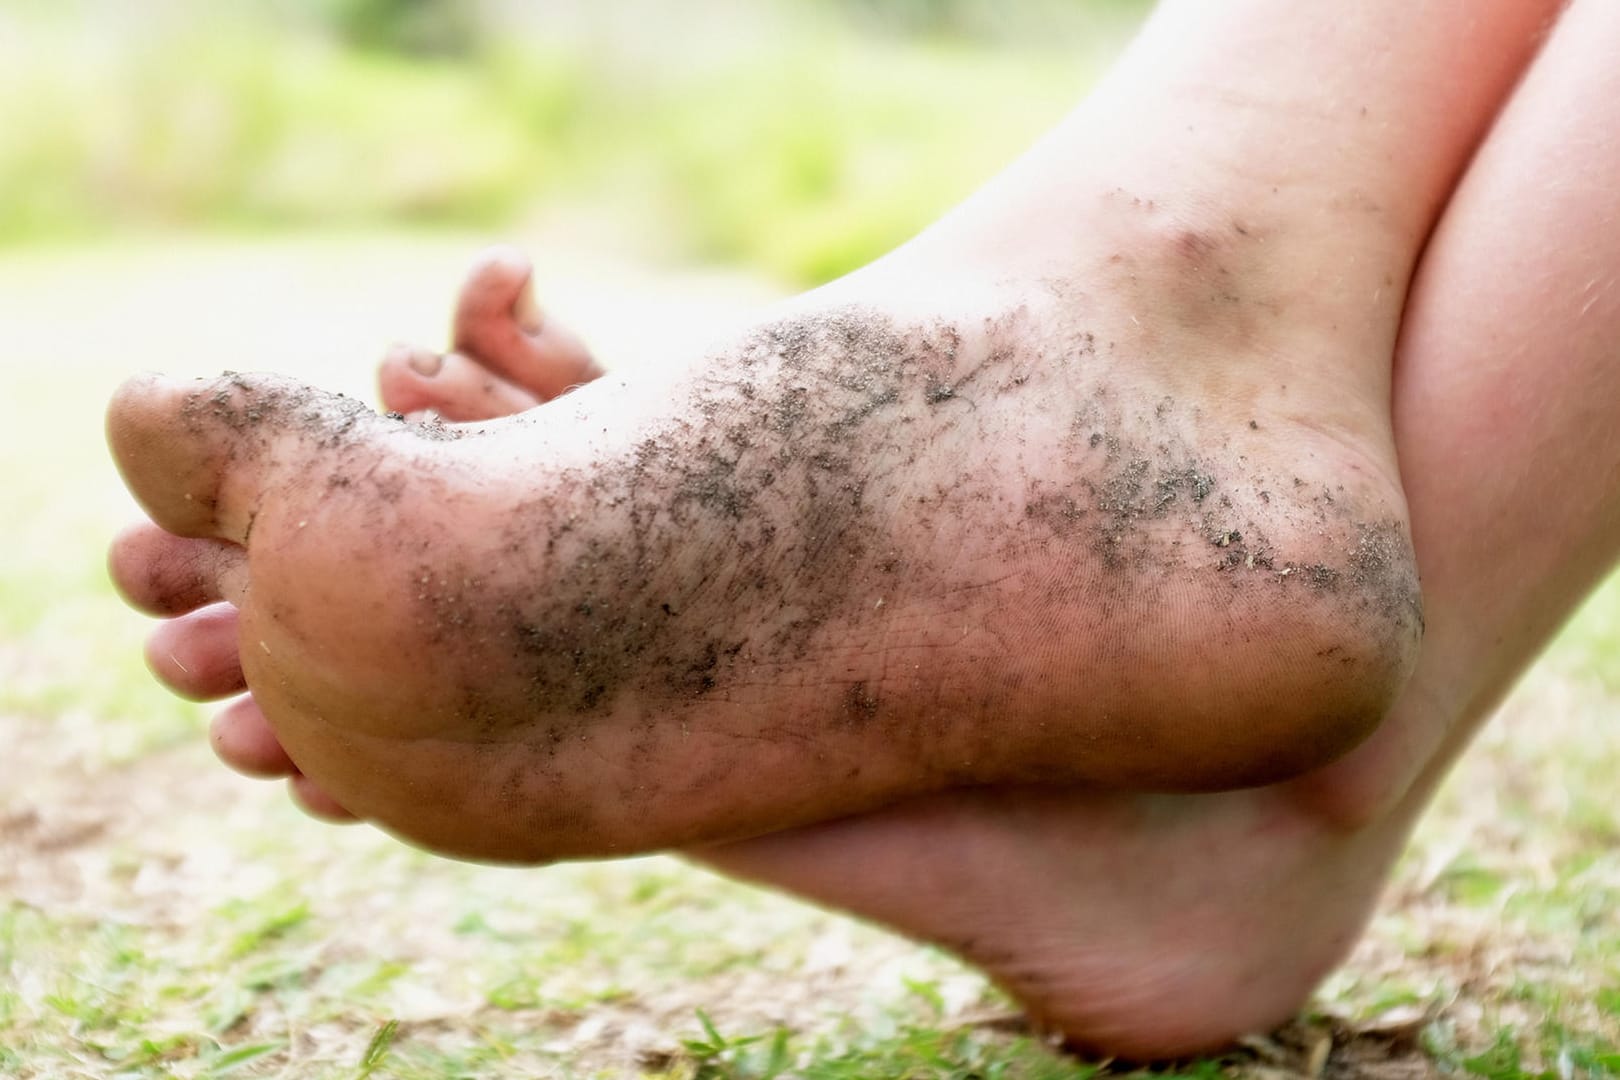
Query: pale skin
(1219, 912)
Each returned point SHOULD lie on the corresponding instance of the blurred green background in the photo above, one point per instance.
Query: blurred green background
(803, 137)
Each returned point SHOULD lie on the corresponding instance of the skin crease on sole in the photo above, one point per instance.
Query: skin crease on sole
(230, 476)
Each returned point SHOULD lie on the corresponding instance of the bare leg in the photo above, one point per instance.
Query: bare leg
(1509, 381)
(1220, 912)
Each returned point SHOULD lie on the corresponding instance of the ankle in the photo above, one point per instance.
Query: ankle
(1309, 265)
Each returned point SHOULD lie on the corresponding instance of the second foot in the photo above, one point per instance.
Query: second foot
(1138, 927)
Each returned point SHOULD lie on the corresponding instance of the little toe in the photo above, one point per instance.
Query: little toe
(454, 387)
(499, 324)
(244, 740)
(315, 802)
(196, 655)
(163, 574)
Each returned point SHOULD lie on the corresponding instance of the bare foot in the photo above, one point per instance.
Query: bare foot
(963, 527)
(967, 533)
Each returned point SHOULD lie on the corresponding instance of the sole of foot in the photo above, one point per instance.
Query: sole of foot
(894, 539)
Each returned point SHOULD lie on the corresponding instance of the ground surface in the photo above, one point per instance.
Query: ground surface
(159, 916)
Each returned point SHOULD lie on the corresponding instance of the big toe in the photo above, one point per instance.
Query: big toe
(499, 324)
(169, 470)
(193, 453)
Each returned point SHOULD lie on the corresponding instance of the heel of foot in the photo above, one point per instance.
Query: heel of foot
(1221, 630)
(1344, 634)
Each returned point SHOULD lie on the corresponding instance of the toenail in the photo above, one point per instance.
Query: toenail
(426, 363)
(526, 311)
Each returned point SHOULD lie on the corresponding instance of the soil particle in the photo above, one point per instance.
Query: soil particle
(1058, 511)
(1190, 479)
(1383, 568)
(1122, 493)
(246, 404)
(1319, 576)
(861, 704)
(936, 392)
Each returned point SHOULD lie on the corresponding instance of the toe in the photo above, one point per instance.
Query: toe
(196, 654)
(499, 324)
(195, 453)
(317, 803)
(163, 574)
(454, 387)
(245, 741)
(170, 460)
